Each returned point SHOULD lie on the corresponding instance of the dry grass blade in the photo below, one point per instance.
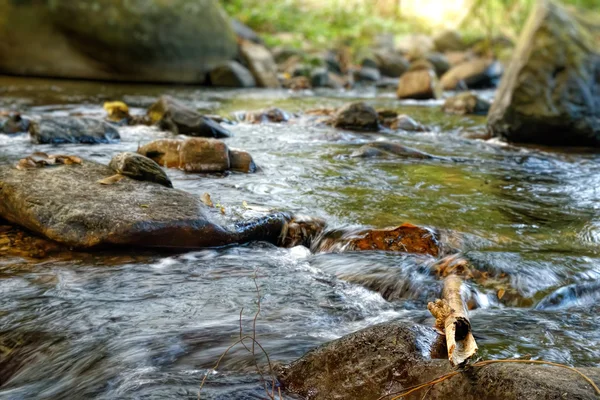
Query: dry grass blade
(111, 179)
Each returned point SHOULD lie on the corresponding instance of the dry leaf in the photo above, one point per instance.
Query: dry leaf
(501, 293)
(245, 204)
(111, 179)
(207, 200)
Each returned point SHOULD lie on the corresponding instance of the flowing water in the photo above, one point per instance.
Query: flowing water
(149, 326)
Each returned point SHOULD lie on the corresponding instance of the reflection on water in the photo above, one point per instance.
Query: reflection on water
(149, 327)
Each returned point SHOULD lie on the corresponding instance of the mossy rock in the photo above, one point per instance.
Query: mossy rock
(151, 41)
(550, 92)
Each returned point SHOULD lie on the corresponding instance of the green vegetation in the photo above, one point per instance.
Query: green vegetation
(328, 24)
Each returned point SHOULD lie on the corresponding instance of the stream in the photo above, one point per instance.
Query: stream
(146, 325)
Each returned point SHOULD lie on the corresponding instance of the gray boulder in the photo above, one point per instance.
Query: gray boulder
(550, 93)
(67, 204)
(61, 130)
(147, 41)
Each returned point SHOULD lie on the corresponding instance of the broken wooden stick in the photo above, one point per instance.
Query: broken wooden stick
(451, 317)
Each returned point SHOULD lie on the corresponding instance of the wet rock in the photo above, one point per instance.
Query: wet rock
(458, 57)
(261, 63)
(240, 160)
(66, 204)
(391, 64)
(164, 152)
(273, 114)
(367, 74)
(449, 40)
(577, 295)
(387, 358)
(172, 115)
(13, 124)
(406, 123)
(466, 103)
(61, 130)
(141, 168)
(369, 62)
(115, 41)
(550, 91)
(440, 63)
(478, 73)
(330, 58)
(358, 116)
(321, 77)
(197, 155)
(419, 84)
(389, 149)
(406, 238)
(302, 231)
(231, 74)
(16, 242)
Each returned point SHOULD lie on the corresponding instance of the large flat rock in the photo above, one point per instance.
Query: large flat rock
(67, 204)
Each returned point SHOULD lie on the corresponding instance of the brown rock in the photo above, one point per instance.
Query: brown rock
(419, 84)
(357, 116)
(476, 73)
(241, 160)
(164, 152)
(204, 155)
(466, 103)
(261, 63)
(394, 356)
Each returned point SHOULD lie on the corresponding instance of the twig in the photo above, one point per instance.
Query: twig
(242, 337)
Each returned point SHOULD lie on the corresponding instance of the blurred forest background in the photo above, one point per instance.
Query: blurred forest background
(321, 24)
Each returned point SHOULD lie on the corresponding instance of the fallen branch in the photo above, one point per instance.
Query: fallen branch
(451, 317)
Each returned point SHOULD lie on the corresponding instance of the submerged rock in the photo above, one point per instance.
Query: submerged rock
(231, 74)
(197, 155)
(61, 130)
(406, 123)
(479, 73)
(14, 124)
(172, 115)
(261, 63)
(578, 295)
(466, 103)
(273, 114)
(145, 41)
(390, 149)
(138, 167)
(66, 204)
(550, 93)
(388, 358)
(358, 116)
(406, 238)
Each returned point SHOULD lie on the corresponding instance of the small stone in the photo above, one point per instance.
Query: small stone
(140, 168)
(367, 74)
(172, 115)
(478, 73)
(13, 124)
(358, 116)
(466, 103)
(241, 161)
